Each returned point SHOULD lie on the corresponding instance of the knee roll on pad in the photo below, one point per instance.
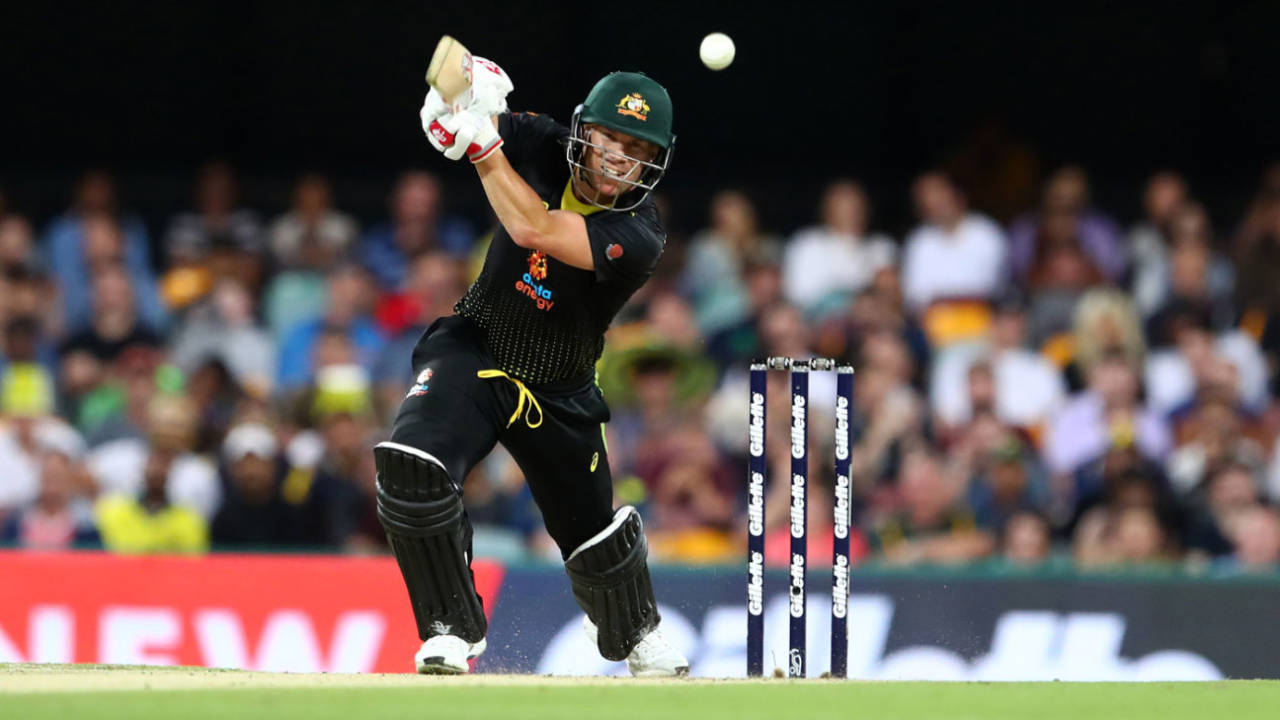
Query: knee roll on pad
(421, 511)
(611, 584)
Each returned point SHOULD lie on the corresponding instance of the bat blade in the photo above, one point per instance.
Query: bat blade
(450, 69)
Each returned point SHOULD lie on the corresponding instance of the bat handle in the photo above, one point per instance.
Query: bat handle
(442, 136)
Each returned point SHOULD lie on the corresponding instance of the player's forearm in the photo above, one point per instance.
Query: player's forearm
(517, 206)
(562, 235)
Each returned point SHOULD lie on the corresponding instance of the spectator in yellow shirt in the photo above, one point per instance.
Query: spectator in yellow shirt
(148, 523)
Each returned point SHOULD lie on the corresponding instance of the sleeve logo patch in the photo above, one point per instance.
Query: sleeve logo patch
(614, 251)
(421, 387)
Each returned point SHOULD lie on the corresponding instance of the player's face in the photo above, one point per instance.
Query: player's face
(613, 159)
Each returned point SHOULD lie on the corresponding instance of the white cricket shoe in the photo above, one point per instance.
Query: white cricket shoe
(447, 655)
(653, 656)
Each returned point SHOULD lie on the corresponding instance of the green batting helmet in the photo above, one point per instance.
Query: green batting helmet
(633, 103)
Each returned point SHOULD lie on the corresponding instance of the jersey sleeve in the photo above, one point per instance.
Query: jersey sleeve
(524, 134)
(625, 246)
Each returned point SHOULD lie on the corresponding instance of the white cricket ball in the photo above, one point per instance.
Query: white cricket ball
(716, 51)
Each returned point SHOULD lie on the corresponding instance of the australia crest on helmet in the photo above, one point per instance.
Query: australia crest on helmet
(634, 105)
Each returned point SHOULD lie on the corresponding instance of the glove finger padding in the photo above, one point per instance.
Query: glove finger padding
(462, 132)
(433, 108)
(465, 133)
(490, 86)
(439, 138)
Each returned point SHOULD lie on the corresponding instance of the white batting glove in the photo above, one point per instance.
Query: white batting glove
(465, 133)
(490, 86)
(433, 108)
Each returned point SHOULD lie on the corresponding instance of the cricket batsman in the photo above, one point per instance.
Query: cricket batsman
(516, 363)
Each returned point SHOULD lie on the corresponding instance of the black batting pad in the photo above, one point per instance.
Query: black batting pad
(421, 510)
(611, 583)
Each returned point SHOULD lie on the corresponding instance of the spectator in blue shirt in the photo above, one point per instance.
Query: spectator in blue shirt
(1010, 481)
(346, 314)
(93, 231)
(415, 227)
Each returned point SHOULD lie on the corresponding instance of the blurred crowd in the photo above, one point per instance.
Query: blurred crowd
(1051, 390)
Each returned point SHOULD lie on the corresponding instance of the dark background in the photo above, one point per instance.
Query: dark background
(879, 91)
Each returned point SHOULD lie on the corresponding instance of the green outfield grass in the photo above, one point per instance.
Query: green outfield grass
(73, 692)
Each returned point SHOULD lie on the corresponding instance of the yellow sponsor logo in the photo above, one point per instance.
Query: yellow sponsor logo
(595, 460)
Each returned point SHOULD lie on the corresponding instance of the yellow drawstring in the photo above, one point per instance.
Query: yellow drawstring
(522, 395)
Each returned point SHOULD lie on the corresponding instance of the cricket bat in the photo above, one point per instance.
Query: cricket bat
(450, 69)
(450, 74)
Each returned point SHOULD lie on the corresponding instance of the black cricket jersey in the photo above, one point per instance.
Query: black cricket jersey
(544, 321)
